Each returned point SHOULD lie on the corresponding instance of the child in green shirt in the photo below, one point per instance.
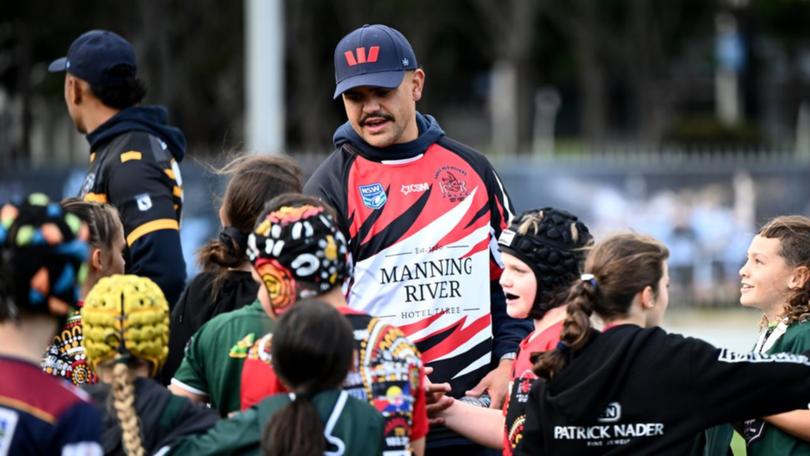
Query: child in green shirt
(312, 352)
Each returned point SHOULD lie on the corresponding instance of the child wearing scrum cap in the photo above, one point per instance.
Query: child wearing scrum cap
(126, 331)
(542, 251)
(316, 417)
(298, 252)
(42, 263)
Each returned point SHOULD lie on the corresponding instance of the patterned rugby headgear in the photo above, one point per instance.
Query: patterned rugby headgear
(552, 243)
(43, 254)
(299, 252)
(126, 316)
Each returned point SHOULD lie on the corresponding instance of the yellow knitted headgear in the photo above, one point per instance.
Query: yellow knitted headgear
(126, 314)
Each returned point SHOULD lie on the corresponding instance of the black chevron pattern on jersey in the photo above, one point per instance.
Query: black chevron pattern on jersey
(394, 231)
(483, 212)
(446, 368)
(368, 223)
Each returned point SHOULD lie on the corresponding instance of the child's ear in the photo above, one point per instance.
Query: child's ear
(96, 260)
(799, 277)
(647, 297)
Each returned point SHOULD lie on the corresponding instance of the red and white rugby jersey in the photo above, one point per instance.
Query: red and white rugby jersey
(423, 235)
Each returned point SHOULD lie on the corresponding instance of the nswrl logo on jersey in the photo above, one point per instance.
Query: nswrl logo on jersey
(373, 195)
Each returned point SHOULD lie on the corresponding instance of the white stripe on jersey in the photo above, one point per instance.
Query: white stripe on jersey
(478, 363)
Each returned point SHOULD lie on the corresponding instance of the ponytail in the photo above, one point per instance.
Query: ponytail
(296, 429)
(228, 250)
(123, 391)
(575, 332)
(254, 179)
(307, 365)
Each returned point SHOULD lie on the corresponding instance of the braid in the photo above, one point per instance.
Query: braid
(620, 267)
(574, 335)
(123, 391)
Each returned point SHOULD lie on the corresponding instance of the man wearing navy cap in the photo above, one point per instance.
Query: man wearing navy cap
(133, 153)
(423, 214)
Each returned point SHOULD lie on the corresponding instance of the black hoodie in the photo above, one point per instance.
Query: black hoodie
(133, 166)
(148, 119)
(162, 416)
(429, 133)
(643, 391)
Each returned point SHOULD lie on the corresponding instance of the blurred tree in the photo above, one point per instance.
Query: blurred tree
(641, 43)
(509, 27)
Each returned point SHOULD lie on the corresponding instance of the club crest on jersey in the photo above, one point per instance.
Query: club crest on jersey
(373, 195)
(452, 183)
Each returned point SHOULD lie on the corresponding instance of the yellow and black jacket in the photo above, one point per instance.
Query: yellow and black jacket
(134, 166)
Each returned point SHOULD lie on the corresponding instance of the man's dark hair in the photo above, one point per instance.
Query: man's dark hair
(126, 91)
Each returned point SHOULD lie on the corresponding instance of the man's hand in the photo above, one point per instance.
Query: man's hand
(435, 399)
(495, 383)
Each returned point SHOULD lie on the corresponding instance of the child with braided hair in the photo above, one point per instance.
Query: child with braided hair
(632, 388)
(543, 251)
(126, 323)
(312, 354)
(65, 357)
(42, 263)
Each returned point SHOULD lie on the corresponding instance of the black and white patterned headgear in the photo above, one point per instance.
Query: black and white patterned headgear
(299, 252)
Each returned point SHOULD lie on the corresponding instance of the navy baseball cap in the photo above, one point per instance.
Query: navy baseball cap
(92, 55)
(372, 55)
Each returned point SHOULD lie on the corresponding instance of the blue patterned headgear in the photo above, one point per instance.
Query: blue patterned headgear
(43, 254)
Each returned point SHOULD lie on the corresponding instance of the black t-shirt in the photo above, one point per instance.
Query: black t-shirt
(197, 305)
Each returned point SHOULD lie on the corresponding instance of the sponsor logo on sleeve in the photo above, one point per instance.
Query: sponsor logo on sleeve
(89, 181)
(144, 202)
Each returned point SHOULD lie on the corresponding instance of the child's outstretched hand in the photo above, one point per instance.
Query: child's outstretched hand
(436, 399)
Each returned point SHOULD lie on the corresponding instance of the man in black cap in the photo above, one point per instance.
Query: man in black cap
(423, 214)
(133, 153)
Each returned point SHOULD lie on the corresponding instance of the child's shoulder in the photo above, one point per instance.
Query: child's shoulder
(32, 391)
(796, 338)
